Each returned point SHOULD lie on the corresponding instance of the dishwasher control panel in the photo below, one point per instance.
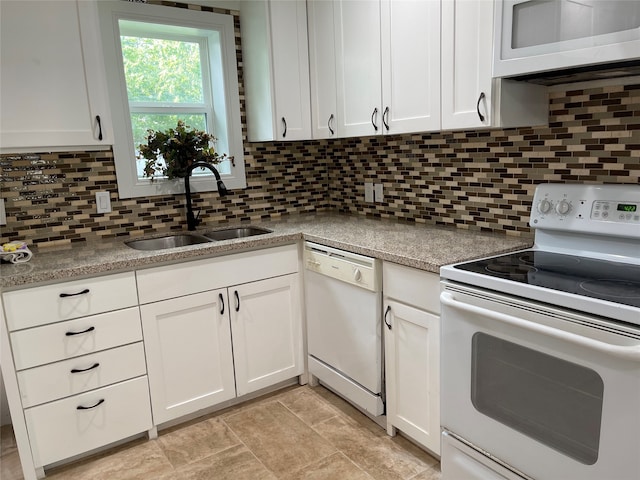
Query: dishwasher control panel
(348, 267)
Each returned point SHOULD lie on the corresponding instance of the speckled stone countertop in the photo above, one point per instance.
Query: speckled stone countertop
(414, 245)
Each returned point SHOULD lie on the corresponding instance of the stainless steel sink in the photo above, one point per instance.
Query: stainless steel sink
(230, 233)
(168, 241)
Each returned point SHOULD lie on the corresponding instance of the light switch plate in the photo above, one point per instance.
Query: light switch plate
(378, 195)
(368, 192)
(103, 202)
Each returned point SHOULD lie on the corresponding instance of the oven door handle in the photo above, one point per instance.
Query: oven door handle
(628, 353)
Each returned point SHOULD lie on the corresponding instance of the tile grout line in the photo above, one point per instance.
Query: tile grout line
(248, 449)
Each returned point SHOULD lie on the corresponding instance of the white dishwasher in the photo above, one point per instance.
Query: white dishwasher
(344, 324)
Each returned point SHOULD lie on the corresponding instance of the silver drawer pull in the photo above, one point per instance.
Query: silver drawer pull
(80, 370)
(83, 292)
(90, 329)
(100, 402)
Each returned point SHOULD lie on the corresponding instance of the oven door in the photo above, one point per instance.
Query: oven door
(552, 393)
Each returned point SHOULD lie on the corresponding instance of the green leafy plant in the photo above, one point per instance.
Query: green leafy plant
(173, 151)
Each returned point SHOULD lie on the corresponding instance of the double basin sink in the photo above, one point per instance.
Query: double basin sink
(185, 239)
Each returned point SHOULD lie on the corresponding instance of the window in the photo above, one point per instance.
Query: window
(167, 64)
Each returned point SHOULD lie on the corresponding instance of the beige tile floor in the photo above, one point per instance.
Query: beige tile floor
(297, 433)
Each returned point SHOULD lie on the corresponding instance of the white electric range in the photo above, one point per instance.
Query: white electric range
(541, 348)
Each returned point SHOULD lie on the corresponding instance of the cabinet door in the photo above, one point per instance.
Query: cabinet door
(410, 65)
(290, 56)
(358, 80)
(467, 29)
(267, 332)
(322, 70)
(188, 349)
(412, 351)
(51, 79)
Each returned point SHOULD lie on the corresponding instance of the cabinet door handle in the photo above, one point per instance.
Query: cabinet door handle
(237, 300)
(71, 334)
(99, 402)
(80, 370)
(386, 312)
(480, 98)
(284, 123)
(329, 124)
(386, 115)
(83, 292)
(373, 115)
(99, 127)
(221, 303)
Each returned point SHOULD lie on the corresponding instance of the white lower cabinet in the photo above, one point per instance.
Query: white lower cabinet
(74, 425)
(267, 334)
(73, 355)
(412, 351)
(189, 358)
(193, 342)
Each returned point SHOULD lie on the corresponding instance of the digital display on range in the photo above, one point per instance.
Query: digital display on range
(627, 207)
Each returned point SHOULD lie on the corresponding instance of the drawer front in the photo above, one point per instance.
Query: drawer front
(63, 301)
(81, 374)
(60, 341)
(58, 430)
(159, 283)
(411, 286)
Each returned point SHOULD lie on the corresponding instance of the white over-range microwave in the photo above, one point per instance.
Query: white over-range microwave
(544, 35)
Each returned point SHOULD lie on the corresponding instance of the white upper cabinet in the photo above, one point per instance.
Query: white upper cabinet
(470, 97)
(322, 68)
(410, 65)
(358, 59)
(375, 67)
(52, 77)
(466, 63)
(276, 69)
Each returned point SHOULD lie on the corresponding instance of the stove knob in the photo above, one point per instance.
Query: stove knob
(544, 206)
(357, 274)
(563, 207)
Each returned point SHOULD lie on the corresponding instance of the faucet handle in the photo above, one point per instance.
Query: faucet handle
(193, 220)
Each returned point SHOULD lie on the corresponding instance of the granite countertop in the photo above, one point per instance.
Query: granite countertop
(414, 245)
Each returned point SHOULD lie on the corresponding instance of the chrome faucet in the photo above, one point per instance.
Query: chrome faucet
(192, 221)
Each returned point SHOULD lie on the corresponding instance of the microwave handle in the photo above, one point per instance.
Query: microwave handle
(628, 353)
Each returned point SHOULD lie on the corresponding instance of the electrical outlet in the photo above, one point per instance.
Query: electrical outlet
(368, 192)
(103, 202)
(3, 213)
(377, 193)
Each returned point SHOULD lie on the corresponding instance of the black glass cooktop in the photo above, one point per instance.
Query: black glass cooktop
(602, 279)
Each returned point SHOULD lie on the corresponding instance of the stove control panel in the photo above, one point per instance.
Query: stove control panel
(599, 209)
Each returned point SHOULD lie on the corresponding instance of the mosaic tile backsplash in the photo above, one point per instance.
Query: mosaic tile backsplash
(480, 180)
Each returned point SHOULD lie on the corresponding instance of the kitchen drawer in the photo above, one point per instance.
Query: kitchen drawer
(51, 343)
(411, 286)
(58, 430)
(159, 283)
(57, 380)
(36, 306)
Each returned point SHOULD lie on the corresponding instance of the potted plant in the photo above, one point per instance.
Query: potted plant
(179, 148)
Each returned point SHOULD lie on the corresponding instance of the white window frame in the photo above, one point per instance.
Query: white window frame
(226, 116)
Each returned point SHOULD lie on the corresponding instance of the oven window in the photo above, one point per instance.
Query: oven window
(553, 401)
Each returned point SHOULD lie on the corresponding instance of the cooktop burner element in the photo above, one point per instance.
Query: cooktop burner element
(590, 277)
(612, 288)
(509, 267)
